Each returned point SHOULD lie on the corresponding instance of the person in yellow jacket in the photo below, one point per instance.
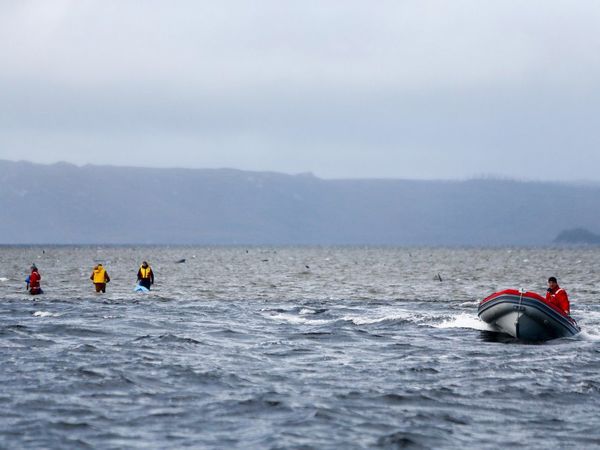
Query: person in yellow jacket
(145, 275)
(100, 277)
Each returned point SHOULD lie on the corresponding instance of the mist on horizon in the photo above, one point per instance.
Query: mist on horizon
(411, 90)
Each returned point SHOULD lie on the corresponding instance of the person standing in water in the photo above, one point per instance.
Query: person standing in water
(557, 296)
(100, 277)
(145, 276)
(33, 281)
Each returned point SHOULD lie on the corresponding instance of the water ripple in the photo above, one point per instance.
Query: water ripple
(365, 349)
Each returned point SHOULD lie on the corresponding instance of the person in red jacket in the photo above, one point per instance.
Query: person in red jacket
(557, 295)
(33, 281)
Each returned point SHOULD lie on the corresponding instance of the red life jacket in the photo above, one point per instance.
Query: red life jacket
(559, 298)
(34, 280)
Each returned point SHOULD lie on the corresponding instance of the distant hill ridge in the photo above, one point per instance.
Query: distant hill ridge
(63, 204)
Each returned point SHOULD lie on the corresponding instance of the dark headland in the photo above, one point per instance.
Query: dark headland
(578, 236)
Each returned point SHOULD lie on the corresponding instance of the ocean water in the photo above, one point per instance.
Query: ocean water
(292, 348)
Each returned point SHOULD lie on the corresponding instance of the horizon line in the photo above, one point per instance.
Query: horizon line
(309, 174)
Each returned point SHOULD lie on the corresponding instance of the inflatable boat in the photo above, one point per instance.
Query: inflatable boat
(526, 316)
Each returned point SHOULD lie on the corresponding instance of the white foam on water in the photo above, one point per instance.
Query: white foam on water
(362, 320)
(589, 335)
(305, 311)
(475, 302)
(586, 315)
(3, 279)
(464, 320)
(44, 314)
(297, 320)
(390, 314)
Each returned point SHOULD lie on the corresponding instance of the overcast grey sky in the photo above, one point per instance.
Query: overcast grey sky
(403, 89)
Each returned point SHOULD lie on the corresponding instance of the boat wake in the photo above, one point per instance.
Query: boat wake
(379, 316)
(365, 320)
(464, 320)
(589, 335)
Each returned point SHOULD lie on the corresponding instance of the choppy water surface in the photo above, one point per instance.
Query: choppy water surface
(292, 348)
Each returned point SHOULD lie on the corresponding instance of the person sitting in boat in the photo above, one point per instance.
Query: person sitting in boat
(145, 276)
(33, 281)
(557, 296)
(100, 277)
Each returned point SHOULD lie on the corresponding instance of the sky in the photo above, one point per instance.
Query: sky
(421, 89)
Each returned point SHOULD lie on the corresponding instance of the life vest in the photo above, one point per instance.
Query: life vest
(34, 280)
(560, 299)
(145, 271)
(100, 275)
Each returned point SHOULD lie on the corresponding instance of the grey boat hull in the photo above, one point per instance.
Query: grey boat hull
(526, 318)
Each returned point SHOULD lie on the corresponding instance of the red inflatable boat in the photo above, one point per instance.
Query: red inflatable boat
(526, 316)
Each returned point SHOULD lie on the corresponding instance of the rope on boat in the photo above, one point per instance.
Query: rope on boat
(519, 310)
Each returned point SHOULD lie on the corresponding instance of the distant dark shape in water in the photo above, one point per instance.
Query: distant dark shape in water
(578, 236)
(265, 260)
(307, 266)
(180, 261)
(438, 277)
